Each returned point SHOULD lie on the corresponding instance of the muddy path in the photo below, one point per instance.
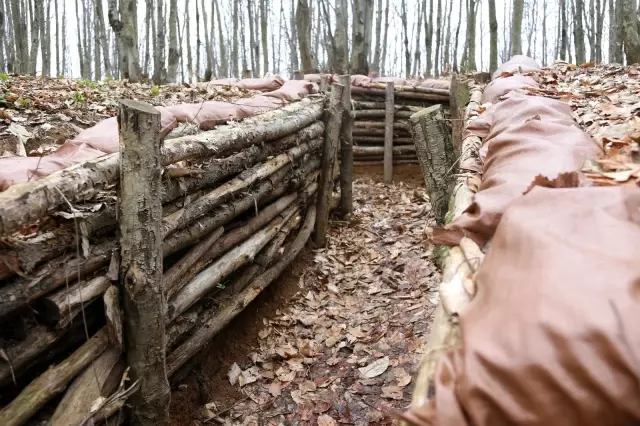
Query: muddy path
(338, 338)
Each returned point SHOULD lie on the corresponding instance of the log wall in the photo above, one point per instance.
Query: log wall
(237, 205)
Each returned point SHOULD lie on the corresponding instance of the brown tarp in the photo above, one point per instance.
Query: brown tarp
(517, 64)
(551, 337)
(102, 138)
(528, 136)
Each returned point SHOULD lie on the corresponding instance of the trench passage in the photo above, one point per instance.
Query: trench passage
(338, 338)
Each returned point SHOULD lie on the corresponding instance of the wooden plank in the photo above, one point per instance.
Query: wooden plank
(388, 133)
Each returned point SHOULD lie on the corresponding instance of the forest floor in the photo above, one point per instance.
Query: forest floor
(338, 338)
(38, 114)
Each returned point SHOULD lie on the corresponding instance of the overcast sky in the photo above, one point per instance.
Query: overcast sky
(395, 55)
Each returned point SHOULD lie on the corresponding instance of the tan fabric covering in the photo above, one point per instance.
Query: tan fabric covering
(501, 86)
(517, 64)
(551, 337)
(266, 84)
(528, 136)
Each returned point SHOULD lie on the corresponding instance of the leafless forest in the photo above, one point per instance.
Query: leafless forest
(171, 40)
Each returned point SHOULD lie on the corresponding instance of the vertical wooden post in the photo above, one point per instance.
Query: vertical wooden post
(140, 219)
(458, 100)
(246, 74)
(333, 120)
(346, 149)
(388, 133)
(298, 75)
(324, 83)
(435, 154)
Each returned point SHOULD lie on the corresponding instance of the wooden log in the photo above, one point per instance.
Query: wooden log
(335, 110)
(298, 75)
(113, 316)
(365, 105)
(361, 163)
(388, 133)
(445, 331)
(377, 140)
(212, 325)
(222, 193)
(174, 282)
(206, 280)
(324, 83)
(181, 267)
(381, 158)
(346, 149)
(182, 325)
(380, 132)
(61, 307)
(111, 410)
(380, 113)
(459, 98)
(52, 382)
(25, 203)
(413, 89)
(140, 220)
(379, 150)
(397, 125)
(404, 95)
(98, 380)
(437, 159)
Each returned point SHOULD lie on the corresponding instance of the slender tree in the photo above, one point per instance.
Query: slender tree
(428, 35)
(578, 31)
(264, 13)
(631, 38)
(439, 31)
(493, 37)
(159, 73)
(303, 23)
(516, 27)
(174, 55)
(378, 46)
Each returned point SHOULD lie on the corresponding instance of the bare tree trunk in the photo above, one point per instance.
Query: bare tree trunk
(264, 13)
(516, 27)
(578, 31)
(493, 33)
(87, 38)
(293, 37)
(405, 33)
(8, 41)
(235, 46)
(148, 18)
(198, 41)
(358, 53)
(378, 46)
(174, 56)
(631, 38)
(158, 50)
(128, 13)
(417, 55)
(455, 43)
(81, 54)
(436, 60)
(303, 22)
(447, 44)
(45, 26)
(601, 7)
(20, 33)
(368, 29)
(341, 51)
(36, 17)
(63, 48)
(208, 43)
(3, 60)
(224, 62)
(384, 39)
(531, 41)
(564, 42)
(428, 35)
(471, 35)
(252, 38)
(187, 27)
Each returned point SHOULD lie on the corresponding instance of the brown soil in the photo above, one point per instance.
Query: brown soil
(208, 381)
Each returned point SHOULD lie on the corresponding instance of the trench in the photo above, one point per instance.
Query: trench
(340, 334)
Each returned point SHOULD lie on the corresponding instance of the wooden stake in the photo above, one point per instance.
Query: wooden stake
(435, 152)
(324, 83)
(346, 149)
(388, 133)
(334, 114)
(140, 209)
(459, 97)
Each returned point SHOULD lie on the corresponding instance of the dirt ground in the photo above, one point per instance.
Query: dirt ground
(338, 338)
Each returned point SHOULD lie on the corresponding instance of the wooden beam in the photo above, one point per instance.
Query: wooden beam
(334, 112)
(346, 149)
(140, 224)
(388, 133)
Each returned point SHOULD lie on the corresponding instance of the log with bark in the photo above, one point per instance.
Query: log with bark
(380, 140)
(455, 290)
(52, 382)
(380, 132)
(397, 125)
(212, 325)
(26, 203)
(61, 307)
(440, 98)
(359, 151)
(380, 162)
(381, 113)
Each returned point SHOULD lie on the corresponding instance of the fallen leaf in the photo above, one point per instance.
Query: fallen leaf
(325, 420)
(307, 386)
(392, 392)
(275, 389)
(234, 373)
(375, 369)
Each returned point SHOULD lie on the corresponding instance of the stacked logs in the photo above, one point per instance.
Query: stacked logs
(384, 109)
(238, 205)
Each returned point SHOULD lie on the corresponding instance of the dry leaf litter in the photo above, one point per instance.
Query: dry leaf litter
(345, 349)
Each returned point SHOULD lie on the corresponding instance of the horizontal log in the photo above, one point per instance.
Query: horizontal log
(206, 280)
(436, 98)
(415, 89)
(61, 307)
(26, 203)
(182, 325)
(379, 132)
(52, 382)
(221, 194)
(380, 140)
(375, 150)
(381, 162)
(366, 105)
(175, 280)
(212, 325)
(400, 125)
(98, 380)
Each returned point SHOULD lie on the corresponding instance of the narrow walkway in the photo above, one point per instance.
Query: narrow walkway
(345, 347)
